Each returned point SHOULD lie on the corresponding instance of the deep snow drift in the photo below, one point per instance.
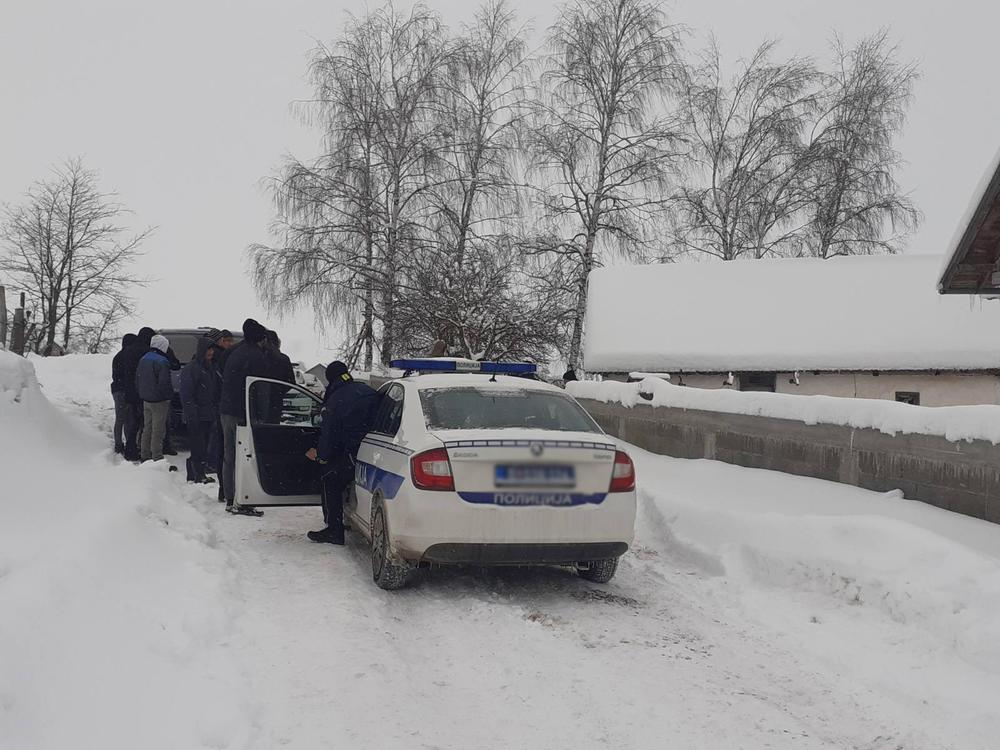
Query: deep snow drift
(113, 603)
(756, 610)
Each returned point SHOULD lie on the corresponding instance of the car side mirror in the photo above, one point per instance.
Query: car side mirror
(317, 419)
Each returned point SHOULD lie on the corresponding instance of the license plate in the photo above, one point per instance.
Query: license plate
(535, 476)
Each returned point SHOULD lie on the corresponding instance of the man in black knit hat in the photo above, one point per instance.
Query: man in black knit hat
(348, 412)
(246, 359)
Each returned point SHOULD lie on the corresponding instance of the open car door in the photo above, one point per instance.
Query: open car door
(271, 465)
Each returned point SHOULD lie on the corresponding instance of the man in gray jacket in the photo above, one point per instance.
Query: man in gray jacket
(152, 381)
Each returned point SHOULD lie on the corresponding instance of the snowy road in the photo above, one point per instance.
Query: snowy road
(806, 633)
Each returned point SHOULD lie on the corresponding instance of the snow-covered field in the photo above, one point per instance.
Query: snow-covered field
(756, 610)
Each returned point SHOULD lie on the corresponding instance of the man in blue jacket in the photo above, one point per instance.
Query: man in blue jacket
(152, 382)
(348, 413)
(200, 402)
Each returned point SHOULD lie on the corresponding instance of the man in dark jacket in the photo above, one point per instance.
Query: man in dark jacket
(222, 343)
(246, 359)
(278, 364)
(152, 379)
(124, 413)
(199, 400)
(279, 367)
(130, 364)
(348, 412)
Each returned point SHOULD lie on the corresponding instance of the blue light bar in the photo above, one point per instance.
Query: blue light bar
(464, 365)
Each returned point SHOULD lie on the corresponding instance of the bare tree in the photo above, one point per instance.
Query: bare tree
(747, 161)
(350, 222)
(480, 309)
(69, 252)
(855, 204)
(467, 287)
(602, 138)
(482, 103)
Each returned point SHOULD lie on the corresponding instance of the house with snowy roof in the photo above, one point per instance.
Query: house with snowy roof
(864, 326)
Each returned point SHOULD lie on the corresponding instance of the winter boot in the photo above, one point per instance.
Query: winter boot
(168, 447)
(192, 472)
(327, 536)
(203, 477)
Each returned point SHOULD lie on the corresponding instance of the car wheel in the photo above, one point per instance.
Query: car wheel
(599, 571)
(386, 572)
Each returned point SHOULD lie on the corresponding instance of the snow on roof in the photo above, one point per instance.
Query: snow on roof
(853, 313)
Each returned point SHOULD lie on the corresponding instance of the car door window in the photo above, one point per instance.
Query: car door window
(390, 412)
(274, 403)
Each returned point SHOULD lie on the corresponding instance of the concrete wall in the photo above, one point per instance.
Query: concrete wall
(945, 389)
(962, 477)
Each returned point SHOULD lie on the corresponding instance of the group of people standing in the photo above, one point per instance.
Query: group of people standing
(212, 395)
(141, 388)
(213, 399)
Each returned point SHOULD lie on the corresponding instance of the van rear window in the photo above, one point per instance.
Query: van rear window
(499, 409)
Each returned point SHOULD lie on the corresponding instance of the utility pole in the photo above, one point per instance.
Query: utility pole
(17, 335)
(3, 318)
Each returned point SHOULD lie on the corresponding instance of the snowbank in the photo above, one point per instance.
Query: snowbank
(952, 422)
(815, 555)
(113, 599)
(858, 313)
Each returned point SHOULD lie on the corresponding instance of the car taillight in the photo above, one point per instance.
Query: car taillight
(431, 470)
(623, 474)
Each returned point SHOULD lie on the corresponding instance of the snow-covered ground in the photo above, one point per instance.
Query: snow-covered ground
(756, 610)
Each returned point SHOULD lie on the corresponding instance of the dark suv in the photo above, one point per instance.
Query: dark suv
(184, 344)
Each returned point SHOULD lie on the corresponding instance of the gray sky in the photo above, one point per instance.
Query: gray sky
(183, 106)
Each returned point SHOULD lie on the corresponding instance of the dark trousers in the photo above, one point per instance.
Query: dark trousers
(198, 435)
(336, 478)
(216, 453)
(125, 424)
(229, 424)
(132, 430)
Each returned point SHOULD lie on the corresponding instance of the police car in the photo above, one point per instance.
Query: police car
(467, 463)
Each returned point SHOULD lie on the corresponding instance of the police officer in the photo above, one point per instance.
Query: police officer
(348, 412)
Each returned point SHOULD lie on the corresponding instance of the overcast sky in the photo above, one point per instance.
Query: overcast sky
(183, 106)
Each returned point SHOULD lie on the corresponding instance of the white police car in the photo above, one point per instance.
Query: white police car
(484, 469)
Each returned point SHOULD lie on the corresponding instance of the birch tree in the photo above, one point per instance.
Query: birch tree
(745, 171)
(351, 221)
(855, 204)
(470, 266)
(602, 141)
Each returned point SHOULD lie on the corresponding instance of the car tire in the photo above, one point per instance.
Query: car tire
(599, 571)
(387, 573)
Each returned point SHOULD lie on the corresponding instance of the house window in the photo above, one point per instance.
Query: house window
(908, 397)
(758, 381)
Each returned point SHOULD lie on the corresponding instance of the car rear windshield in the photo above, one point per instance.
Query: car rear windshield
(506, 408)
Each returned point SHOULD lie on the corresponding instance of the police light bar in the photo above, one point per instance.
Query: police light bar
(443, 364)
